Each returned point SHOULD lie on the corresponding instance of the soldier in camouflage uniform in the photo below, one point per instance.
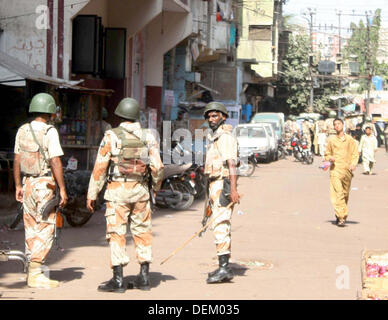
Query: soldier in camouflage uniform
(329, 124)
(220, 169)
(320, 137)
(288, 130)
(37, 157)
(306, 133)
(125, 155)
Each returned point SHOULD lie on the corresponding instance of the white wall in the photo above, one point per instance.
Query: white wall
(164, 33)
(25, 37)
(133, 14)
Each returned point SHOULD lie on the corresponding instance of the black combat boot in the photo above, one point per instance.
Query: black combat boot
(223, 273)
(142, 280)
(116, 284)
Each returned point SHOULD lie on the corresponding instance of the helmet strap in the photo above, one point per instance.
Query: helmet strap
(220, 123)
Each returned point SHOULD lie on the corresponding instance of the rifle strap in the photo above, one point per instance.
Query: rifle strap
(39, 146)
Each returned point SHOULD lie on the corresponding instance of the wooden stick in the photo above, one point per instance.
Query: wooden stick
(195, 234)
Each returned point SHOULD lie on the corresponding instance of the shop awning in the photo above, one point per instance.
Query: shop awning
(14, 72)
(350, 108)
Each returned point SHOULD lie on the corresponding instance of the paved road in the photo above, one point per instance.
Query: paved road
(285, 245)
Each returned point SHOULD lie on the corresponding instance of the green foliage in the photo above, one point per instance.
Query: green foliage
(358, 46)
(295, 72)
(296, 78)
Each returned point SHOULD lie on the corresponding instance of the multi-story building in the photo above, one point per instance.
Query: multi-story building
(92, 53)
(261, 30)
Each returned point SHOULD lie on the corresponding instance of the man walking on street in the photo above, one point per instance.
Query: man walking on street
(367, 149)
(125, 157)
(321, 137)
(342, 152)
(37, 157)
(221, 172)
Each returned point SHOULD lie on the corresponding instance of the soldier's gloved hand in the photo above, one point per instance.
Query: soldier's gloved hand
(90, 204)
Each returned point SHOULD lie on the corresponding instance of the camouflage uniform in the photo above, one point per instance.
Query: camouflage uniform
(329, 127)
(38, 186)
(295, 127)
(127, 198)
(288, 130)
(306, 133)
(320, 137)
(222, 147)
(349, 125)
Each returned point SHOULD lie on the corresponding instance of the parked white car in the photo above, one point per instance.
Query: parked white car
(269, 127)
(253, 139)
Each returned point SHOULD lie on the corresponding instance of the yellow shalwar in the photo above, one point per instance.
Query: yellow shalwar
(345, 152)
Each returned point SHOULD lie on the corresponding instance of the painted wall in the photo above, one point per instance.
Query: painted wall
(163, 33)
(21, 38)
(133, 14)
(257, 13)
(32, 37)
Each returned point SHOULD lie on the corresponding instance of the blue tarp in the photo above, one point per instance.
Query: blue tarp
(350, 108)
(378, 83)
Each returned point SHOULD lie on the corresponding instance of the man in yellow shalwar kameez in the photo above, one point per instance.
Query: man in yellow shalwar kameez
(342, 152)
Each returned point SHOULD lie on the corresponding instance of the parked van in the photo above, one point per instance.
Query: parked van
(277, 118)
(253, 139)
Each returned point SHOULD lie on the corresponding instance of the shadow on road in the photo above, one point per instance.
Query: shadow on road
(238, 269)
(68, 274)
(155, 278)
(334, 222)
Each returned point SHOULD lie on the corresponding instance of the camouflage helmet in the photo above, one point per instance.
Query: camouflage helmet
(43, 103)
(128, 108)
(332, 114)
(215, 106)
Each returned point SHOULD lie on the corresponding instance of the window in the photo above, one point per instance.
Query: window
(257, 32)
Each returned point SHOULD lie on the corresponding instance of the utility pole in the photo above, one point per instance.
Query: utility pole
(368, 63)
(311, 13)
(338, 65)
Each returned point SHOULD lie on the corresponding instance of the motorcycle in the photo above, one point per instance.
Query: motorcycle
(197, 174)
(247, 165)
(307, 155)
(178, 188)
(301, 151)
(75, 212)
(282, 149)
(77, 183)
(296, 149)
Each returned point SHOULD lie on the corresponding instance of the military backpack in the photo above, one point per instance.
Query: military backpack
(33, 160)
(133, 155)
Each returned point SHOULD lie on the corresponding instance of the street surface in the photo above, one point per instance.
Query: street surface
(284, 244)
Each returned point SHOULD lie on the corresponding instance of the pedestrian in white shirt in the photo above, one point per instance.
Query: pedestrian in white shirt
(367, 148)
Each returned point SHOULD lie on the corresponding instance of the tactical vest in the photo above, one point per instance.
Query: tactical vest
(32, 161)
(132, 158)
(215, 167)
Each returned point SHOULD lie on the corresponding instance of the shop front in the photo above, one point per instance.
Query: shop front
(80, 125)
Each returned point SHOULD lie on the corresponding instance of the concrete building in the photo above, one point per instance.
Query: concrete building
(194, 71)
(260, 41)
